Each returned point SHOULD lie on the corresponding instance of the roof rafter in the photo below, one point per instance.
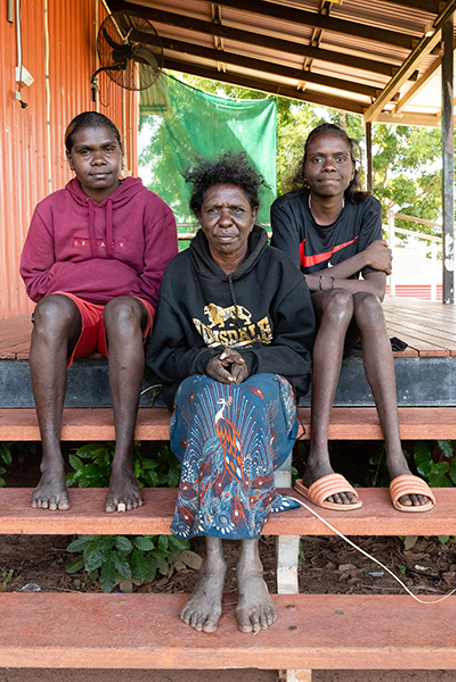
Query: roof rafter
(432, 6)
(268, 67)
(265, 86)
(252, 38)
(424, 47)
(325, 22)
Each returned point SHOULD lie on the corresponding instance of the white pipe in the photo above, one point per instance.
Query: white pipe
(19, 34)
(97, 94)
(48, 94)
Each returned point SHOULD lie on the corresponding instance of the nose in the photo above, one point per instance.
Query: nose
(98, 158)
(328, 164)
(225, 219)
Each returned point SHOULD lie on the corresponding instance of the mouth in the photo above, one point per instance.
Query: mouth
(99, 175)
(225, 237)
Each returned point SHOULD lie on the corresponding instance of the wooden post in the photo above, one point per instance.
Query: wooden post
(369, 169)
(448, 161)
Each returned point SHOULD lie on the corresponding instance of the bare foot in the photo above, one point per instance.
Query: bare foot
(204, 608)
(315, 469)
(124, 493)
(51, 492)
(255, 610)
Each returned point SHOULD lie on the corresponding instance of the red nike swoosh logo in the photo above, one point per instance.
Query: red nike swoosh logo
(308, 261)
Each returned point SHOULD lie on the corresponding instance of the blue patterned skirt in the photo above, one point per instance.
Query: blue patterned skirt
(230, 439)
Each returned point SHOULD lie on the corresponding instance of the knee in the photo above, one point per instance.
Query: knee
(123, 314)
(368, 309)
(339, 310)
(54, 314)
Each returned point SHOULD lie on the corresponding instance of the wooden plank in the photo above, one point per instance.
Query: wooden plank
(377, 516)
(347, 423)
(15, 335)
(425, 335)
(431, 316)
(143, 631)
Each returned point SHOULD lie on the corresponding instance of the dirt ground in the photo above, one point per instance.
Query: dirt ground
(328, 565)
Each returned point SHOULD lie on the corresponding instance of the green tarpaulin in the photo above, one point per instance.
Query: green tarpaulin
(178, 122)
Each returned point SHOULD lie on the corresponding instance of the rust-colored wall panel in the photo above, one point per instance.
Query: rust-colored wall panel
(31, 164)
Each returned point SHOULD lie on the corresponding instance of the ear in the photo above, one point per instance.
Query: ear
(254, 213)
(70, 162)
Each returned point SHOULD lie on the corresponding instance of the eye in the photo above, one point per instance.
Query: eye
(236, 210)
(341, 159)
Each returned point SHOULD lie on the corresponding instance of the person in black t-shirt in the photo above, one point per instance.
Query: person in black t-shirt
(333, 232)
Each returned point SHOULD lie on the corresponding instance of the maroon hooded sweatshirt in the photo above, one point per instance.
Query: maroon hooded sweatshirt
(119, 247)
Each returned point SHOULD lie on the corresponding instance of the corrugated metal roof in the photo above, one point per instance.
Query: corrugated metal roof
(279, 45)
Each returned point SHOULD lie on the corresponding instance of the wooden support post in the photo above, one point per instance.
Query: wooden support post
(369, 169)
(448, 161)
(294, 676)
(299, 676)
(287, 553)
(287, 546)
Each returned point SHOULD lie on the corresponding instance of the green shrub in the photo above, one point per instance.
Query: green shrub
(114, 558)
(441, 473)
(7, 458)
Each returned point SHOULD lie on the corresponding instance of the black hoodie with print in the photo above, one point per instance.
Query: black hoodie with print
(263, 310)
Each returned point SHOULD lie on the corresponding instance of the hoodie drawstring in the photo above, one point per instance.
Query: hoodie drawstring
(109, 230)
(92, 233)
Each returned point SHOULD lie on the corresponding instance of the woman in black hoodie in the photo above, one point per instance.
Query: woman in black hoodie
(232, 339)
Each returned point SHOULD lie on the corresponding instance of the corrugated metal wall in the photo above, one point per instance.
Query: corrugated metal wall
(32, 152)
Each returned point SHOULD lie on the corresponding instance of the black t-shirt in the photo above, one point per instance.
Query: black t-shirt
(313, 247)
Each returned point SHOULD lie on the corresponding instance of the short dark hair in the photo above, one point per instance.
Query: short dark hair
(86, 120)
(230, 168)
(353, 192)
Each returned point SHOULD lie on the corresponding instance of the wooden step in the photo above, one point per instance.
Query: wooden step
(377, 516)
(347, 423)
(92, 630)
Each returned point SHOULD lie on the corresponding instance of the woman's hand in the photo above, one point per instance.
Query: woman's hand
(380, 256)
(228, 368)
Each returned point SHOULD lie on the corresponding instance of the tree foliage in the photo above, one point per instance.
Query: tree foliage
(406, 159)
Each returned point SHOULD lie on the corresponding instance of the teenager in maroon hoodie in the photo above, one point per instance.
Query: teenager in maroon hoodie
(93, 261)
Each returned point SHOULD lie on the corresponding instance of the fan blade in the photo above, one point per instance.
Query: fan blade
(144, 56)
(112, 43)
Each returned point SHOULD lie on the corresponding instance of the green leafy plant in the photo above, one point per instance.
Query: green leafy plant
(377, 474)
(5, 578)
(114, 558)
(441, 473)
(7, 458)
(155, 465)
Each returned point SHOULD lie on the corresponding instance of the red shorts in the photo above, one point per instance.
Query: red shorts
(93, 336)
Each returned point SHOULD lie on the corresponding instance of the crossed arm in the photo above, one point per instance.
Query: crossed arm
(377, 256)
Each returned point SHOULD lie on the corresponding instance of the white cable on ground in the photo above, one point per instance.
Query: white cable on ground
(369, 556)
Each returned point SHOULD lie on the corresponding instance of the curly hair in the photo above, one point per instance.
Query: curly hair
(353, 192)
(89, 119)
(230, 168)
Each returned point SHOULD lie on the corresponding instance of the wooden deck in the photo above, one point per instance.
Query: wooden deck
(428, 327)
(425, 371)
